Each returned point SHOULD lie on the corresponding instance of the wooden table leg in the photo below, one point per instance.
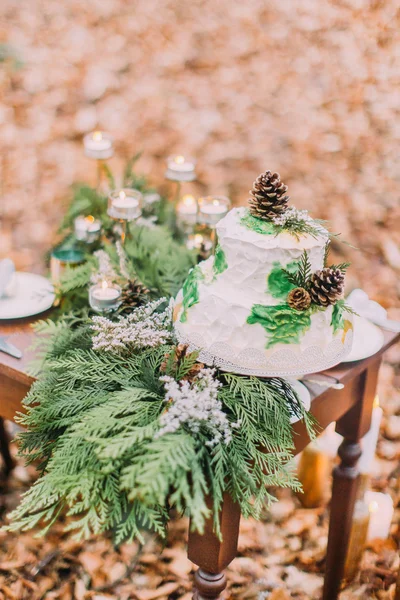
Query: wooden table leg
(5, 448)
(213, 555)
(352, 426)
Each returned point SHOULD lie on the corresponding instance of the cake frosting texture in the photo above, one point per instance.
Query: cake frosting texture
(232, 308)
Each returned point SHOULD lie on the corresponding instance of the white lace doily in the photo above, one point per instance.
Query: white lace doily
(281, 363)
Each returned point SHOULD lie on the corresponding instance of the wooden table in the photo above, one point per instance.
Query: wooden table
(350, 407)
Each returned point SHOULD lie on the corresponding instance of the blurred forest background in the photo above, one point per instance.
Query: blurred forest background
(308, 88)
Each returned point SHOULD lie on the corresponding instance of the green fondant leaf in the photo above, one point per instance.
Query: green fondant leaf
(190, 290)
(258, 225)
(283, 324)
(220, 263)
(278, 283)
(337, 320)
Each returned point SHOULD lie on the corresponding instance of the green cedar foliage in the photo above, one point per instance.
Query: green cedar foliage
(91, 423)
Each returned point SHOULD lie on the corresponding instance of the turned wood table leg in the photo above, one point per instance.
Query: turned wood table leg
(213, 555)
(352, 426)
(5, 448)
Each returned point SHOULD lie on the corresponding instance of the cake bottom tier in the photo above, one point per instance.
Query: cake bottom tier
(218, 328)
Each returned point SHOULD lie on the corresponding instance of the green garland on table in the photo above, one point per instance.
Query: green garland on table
(100, 422)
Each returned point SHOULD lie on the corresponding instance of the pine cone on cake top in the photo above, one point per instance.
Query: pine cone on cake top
(327, 286)
(268, 196)
(299, 299)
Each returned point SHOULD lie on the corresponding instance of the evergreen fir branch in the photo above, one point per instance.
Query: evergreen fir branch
(341, 267)
(299, 228)
(301, 277)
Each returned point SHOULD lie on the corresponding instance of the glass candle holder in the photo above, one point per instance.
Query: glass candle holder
(186, 212)
(180, 168)
(61, 258)
(98, 145)
(87, 229)
(125, 204)
(212, 209)
(105, 297)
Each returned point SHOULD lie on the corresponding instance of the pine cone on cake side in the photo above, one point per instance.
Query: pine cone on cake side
(327, 286)
(268, 196)
(299, 299)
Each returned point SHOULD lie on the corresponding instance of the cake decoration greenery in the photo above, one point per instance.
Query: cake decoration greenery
(283, 324)
(304, 293)
(278, 284)
(220, 264)
(190, 290)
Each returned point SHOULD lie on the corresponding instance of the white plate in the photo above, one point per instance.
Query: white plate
(33, 295)
(368, 339)
(303, 394)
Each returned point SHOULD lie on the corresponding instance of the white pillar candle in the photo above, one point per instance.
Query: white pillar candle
(381, 513)
(104, 296)
(180, 168)
(98, 145)
(329, 441)
(186, 210)
(87, 229)
(125, 204)
(370, 440)
(212, 209)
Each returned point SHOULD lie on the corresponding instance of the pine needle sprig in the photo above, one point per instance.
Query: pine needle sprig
(302, 277)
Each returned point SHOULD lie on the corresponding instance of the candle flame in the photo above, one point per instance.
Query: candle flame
(216, 202)
(90, 219)
(179, 159)
(97, 136)
(188, 199)
(376, 402)
(198, 238)
(373, 506)
(122, 195)
(104, 284)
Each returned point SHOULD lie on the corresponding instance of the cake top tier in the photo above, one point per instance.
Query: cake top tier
(240, 225)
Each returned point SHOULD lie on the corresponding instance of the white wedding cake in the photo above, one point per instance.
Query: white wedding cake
(266, 304)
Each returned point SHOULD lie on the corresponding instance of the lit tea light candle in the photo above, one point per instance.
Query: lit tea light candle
(87, 229)
(125, 204)
(380, 515)
(98, 145)
(105, 297)
(186, 210)
(180, 168)
(212, 209)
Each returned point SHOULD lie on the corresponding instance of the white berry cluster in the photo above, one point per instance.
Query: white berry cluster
(144, 327)
(292, 214)
(196, 406)
(105, 271)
